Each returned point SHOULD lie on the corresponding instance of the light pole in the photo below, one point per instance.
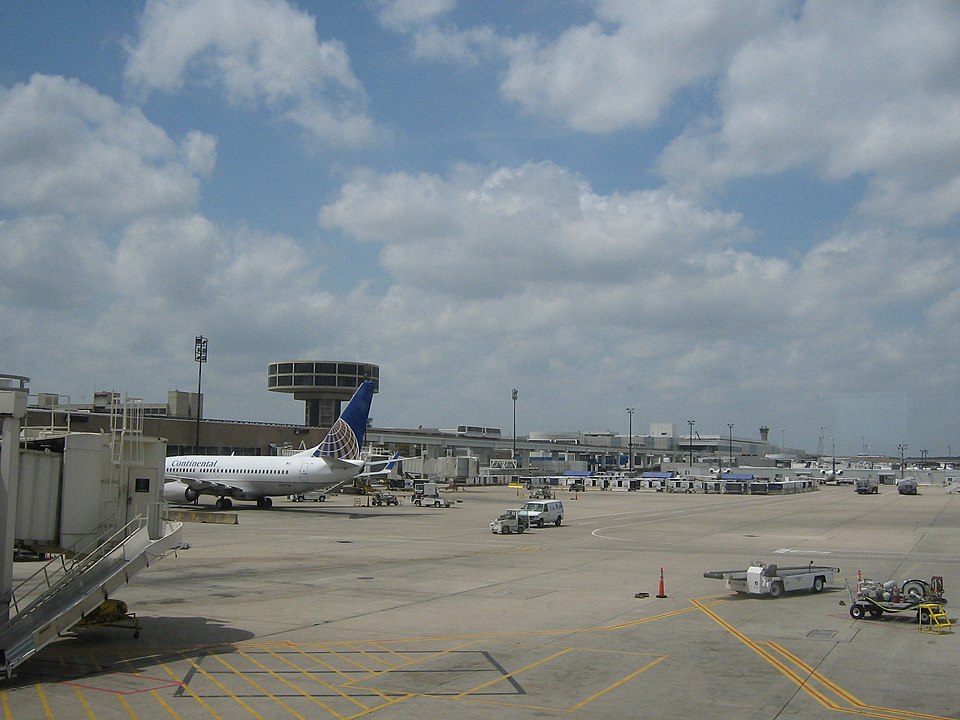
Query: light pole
(514, 395)
(902, 449)
(200, 355)
(730, 446)
(630, 441)
(691, 423)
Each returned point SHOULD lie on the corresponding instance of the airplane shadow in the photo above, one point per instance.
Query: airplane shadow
(109, 649)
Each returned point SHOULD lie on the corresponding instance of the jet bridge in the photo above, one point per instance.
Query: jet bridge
(93, 501)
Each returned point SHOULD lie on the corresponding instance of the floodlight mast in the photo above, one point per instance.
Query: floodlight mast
(200, 356)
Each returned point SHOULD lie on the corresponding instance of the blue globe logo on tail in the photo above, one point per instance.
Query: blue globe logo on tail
(346, 436)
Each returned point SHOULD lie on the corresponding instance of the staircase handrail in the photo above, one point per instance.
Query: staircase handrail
(80, 565)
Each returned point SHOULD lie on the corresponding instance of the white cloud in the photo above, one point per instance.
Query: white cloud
(402, 15)
(51, 265)
(525, 275)
(481, 232)
(624, 68)
(464, 47)
(64, 148)
(849, 89)
(258, 51)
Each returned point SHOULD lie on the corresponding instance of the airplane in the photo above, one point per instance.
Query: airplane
(332, 463)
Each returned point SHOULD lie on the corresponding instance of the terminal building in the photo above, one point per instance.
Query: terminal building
(464, 452)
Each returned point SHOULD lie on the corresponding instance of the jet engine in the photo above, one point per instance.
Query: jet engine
(176, 492)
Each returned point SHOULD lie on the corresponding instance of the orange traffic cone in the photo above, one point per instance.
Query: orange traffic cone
(661, 594)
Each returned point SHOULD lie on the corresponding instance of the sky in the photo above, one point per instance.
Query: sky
(731, 212)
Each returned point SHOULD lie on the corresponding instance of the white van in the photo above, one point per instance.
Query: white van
(540, 512)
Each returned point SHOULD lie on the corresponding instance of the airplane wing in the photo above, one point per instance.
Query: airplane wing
(209, 487)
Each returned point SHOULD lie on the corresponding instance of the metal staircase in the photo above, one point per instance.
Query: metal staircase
(58, 595)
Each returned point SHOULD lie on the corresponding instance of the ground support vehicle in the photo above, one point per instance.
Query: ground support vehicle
(421, 500)
(382, 498)
(866, 486)
(872, 598)
(762, 579)
(540, 512)
(315, 495)
(907, 486)
(510, 521)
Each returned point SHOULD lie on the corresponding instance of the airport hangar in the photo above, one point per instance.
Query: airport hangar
(323, 385)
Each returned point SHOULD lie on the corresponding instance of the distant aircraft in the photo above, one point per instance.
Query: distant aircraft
(332, 463)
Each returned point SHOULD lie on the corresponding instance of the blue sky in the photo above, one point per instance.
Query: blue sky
(732, 212)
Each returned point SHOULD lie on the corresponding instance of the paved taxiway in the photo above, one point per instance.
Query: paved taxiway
(326, 610)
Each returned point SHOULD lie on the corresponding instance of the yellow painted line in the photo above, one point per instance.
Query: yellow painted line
(803, 684)
(319, 681)
(343, 658)
(404, 666)
(377, 645)
(295, 688)
(313, 658)
(501, 678)
(203, 703)
(165, 705)
(378, 708)
(126, 706)
(373, 656)
(650, 618)
(853, 700)
(615, 685)
(43, 701)
(83, 702)
(156, 695)
(225, 690)
(260, 689)
(798, 680)
(5, 702)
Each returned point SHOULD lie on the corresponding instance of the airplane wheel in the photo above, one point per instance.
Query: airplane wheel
(224, 503)
(264, 502)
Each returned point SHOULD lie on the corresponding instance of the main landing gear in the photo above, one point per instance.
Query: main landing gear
(224, 503)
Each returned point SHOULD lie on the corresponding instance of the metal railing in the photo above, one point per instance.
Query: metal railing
(45, 584)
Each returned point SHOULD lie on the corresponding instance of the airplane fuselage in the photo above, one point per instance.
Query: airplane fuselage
(252, 477)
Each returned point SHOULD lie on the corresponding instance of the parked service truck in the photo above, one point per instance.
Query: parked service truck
(425, 494)
(866, 485)
(762, 579)
(509, 521)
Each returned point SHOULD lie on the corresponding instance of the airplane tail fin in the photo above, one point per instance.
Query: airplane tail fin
(346, 436)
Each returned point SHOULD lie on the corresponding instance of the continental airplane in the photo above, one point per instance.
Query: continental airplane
(332, 463)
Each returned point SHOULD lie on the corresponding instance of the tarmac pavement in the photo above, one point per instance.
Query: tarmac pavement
(331, 610)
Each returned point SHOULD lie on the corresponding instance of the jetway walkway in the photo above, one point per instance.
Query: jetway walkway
(58, 595)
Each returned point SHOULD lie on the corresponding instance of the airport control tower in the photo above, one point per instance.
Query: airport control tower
(322, 384)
